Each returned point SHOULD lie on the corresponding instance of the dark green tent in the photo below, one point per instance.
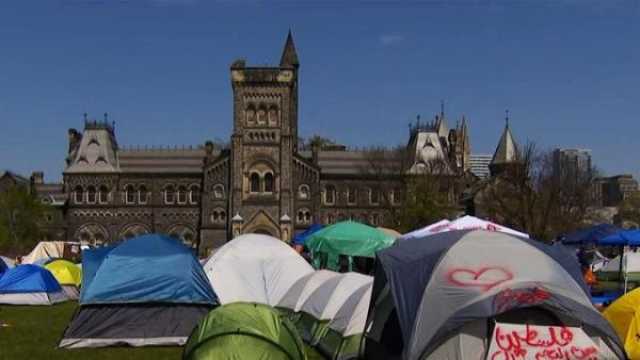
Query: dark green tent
(244, 331)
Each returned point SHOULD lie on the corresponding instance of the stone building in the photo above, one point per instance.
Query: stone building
(263, 182)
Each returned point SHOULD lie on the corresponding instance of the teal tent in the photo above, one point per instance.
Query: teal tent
(347, 238)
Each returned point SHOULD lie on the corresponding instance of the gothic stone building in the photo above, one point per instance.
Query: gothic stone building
(263, 182)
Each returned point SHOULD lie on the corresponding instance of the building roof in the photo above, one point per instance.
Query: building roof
(507, 149)
(289, 54)
(19, 179)
(51, 193)
(162, 160)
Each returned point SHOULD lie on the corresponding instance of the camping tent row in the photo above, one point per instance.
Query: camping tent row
(329, 310)
(464, 293)
(149, 290)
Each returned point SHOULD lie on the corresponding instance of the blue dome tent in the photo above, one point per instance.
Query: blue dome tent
(29, 285)
(149, 290)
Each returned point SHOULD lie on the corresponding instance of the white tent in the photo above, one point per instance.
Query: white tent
(45, 250)
(254, 268)
(352, 315)
(473, 223)
(427, 230)
(326, 300)
(303, 288)
(631, 263)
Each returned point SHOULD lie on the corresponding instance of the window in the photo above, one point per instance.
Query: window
(268, 182)
(143, 194)
(78, 194)
(91, 195)
(250, 115)
(218, 191)
(329, 195)
(103, 195)
(352, 195)
(374, 196)
(130, 194)
(182, 195)
(304, 216)
(331, 219)
(194, 194)
(273, 116)
(169, 194)
(374, 219)
(303, 192)
(307, 216)
(254, 181)
(396, 196)
(262, 116)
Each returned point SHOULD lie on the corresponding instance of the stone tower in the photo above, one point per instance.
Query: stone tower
(263, 143)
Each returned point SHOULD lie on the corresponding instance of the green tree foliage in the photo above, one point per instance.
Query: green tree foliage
(20, 213)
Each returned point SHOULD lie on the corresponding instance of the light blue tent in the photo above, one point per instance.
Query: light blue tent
(29, 285)
(149, 290)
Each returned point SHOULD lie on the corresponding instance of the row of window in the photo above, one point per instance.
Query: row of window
(261, 115)
(329, 195)
(373, 219)
(139, 195)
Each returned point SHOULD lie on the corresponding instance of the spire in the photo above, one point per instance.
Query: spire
(441, 108)
(506, 118)
(289, 56)
(507, 149)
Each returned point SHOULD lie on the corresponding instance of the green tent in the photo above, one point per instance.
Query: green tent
(348, 238)
(244, 331)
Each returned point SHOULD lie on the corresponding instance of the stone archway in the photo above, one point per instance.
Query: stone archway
(261, 223)
(132, 230)
(184, 233)
(92, 234)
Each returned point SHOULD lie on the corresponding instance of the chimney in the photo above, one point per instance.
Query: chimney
(37, 177)
(315, 149)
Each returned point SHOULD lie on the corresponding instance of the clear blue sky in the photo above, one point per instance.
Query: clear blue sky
(568, 70)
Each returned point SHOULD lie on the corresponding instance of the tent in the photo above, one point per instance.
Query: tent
(427, 230)
(346, 238)
(590, 235)
(302, 237)
(624, 315)
(344, 333)
(623, 238)
(302, 289)
(255, 268)
(148, 290)
(391, 232)
(244, 331)
(325, 301)
(68, 275)
(6, 264)
(468, 222)
(442, 298)
(30, 285)
(45, 250)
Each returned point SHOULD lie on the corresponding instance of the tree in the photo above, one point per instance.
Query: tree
(20, 213)
(532, 196)
(629, 210)
(412, 197)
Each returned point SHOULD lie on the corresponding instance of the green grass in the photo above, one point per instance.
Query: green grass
(33, 332)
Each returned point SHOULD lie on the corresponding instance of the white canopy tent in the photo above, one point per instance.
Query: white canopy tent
(427, 230)
(45, 250)
(255, 268)
(303, 288)
(466, 222)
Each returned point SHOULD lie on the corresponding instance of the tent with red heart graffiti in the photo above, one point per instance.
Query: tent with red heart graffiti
(448, 297)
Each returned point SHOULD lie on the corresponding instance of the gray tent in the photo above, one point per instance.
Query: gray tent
(439, 297)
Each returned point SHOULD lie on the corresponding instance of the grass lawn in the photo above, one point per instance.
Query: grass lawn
(34, 332)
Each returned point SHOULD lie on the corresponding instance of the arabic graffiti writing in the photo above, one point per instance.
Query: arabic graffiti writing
(515, 342)
(483, 278)
(512, 298)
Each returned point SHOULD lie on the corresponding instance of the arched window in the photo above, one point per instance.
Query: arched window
(303, 192)
(352, 195)
(273, 116)
(307, 216)
(103, 194)
(329, 195)
(194, 194)
(250, 115)
(254, 181)
(91, 194)
(262, 116)
(218, 191)
(130, 194)
(169, 194)
(268, 182)
(78, 194)
(223, 216)
(182, 195)
(375, 219)
(143, 194)
(374, 196)
(300, 216)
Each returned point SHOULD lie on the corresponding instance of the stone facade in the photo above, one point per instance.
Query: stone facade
(263, 181)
